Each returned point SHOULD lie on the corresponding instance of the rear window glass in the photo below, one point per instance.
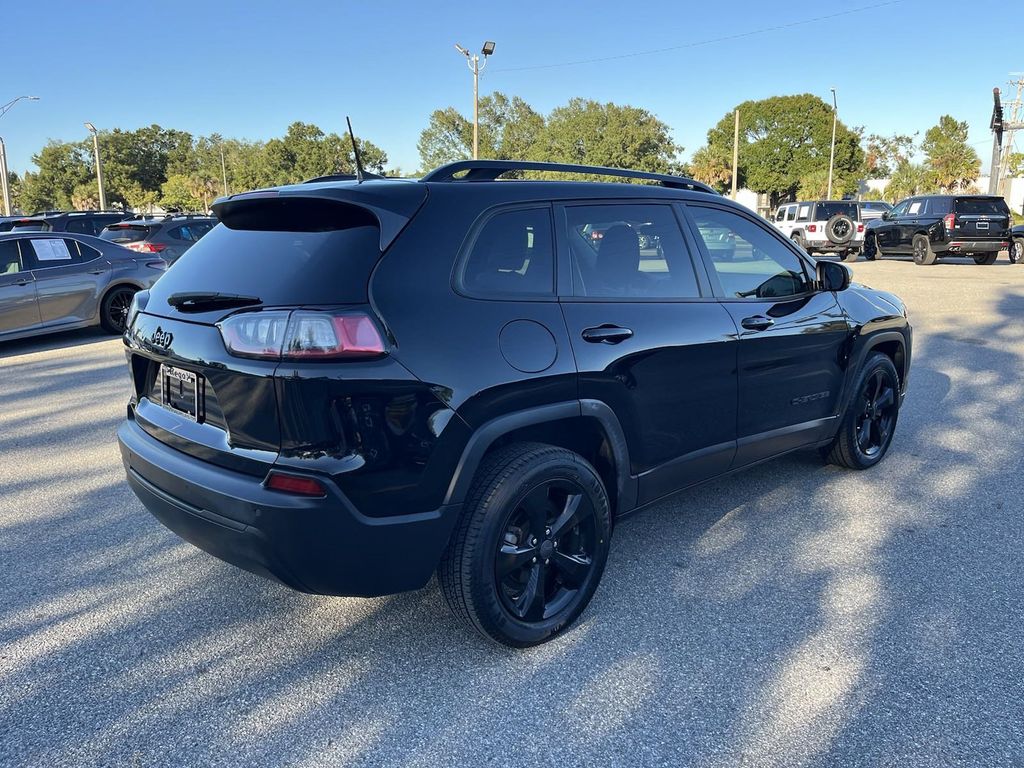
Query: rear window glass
(30, 226)
(825, 211)
(281, 268)
(120, 234)
(512, 256)
(974, 206)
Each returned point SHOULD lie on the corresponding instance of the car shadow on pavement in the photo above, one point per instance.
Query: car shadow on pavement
(53, 341)
(792, 614)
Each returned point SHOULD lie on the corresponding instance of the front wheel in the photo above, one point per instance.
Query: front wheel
(985, 258)
(923, 253)
(851, 255)
(1017, 251)
(530, 548)
(870, 419)
(114, 309)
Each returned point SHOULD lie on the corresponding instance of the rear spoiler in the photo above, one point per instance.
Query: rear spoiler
(392, 204)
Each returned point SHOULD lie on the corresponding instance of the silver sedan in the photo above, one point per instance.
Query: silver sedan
(56, 281)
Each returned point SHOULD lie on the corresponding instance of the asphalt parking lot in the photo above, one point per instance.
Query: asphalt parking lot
(796, 614)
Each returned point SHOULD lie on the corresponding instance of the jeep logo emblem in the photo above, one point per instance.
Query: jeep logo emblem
(161, 338)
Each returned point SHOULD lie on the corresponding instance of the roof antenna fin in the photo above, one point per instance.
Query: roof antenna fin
(355, 151)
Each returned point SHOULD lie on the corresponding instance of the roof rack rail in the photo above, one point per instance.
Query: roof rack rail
(490, 170)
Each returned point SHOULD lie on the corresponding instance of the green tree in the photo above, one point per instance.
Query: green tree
(883, 154)
(712, 165)
(62, 166)
(909, 179)
(618, 136)
(1015, 164)
(179, 192)
(785, 139)
(952, 162)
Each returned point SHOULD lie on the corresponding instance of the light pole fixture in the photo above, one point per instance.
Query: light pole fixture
(473, 60)
(832, 153)
(99, 167)
(4, 181)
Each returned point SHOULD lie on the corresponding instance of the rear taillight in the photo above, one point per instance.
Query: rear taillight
(949, 221)
(302, 335)
(144, 247)
(812, 227)
(299, 485)
(860, 228)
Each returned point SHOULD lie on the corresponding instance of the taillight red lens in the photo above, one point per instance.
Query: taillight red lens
(302, 335)
(860, 227)
(812, 227)
(144, 247)
(949, 221)
(298, 485)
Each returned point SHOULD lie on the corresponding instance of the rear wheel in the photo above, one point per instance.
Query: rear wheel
(797, 238)
(922, 250)
(871, 249)
(114, 309)
(1017, 251)
(531, 545)
(985, 258)
(870, 419)
(851, 255)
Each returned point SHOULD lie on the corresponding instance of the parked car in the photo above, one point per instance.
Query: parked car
(55, 282)
(77, 222)
(823, 226)
(873, 209)
(169, 235)
(931, 226)
(1017, 244)
(7, 222)
(349, 387)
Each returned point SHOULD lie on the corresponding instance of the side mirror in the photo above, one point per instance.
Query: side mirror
(833, 276)
(885, 215)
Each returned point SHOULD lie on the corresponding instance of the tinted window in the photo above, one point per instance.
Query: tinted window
(900, 209)
(869, 205)
(512, 256)
(982, 206)
(939, 206)
(629, 251)
(88, 253)
(10, 258)
(125, 234)
(750, 262)
(81, 226)
(780, 214)
(825, 211)
(791, 213)
(30, 226)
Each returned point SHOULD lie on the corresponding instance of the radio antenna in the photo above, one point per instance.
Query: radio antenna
(355, 151)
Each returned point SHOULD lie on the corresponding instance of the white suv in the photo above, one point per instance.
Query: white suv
(823, 226)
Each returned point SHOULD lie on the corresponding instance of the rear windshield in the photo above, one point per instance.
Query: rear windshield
(123, 234)
(825, 211)
(982, 206)
(30, 226)
(281, 268)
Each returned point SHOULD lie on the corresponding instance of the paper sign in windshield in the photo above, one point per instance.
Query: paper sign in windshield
(53, 249)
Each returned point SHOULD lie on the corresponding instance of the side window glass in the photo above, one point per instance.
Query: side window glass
(749, 260)
(804, 213)
(512, 256)
(10, 258)
(88, 253)
(780, 214)
(900, 209)
(53, 252)
(629, 251)
(791, 213)
(80, 225)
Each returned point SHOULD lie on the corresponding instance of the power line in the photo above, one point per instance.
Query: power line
(709, 41)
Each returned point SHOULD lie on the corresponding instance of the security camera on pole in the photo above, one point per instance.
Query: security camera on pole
(476, 68)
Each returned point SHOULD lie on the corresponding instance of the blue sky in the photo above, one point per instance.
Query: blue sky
(247, 69)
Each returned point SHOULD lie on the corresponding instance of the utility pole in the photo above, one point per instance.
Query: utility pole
(473, 60)
(832, 154)
(735, 153)
(99, 166)
(4, 183)
(1001, 127)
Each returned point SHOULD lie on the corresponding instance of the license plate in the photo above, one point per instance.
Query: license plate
(981, 225)
(182, 391)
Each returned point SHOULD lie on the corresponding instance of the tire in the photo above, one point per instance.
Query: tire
(985, 258)
(869, 422)
(851, 255)
(1017, 251)
(871, 249)
(840, 229)
(922, 250)
(512, 521)
(797, 238)
(114, 309)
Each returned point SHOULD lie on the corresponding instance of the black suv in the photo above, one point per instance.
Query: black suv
(78, 222)
(930, 226)
(351, 386)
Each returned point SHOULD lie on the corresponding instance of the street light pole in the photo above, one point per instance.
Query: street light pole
(99, 165)
(832, 154)
(473, 60)
(5, 183)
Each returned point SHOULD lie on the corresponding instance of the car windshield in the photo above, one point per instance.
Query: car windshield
(825, 211)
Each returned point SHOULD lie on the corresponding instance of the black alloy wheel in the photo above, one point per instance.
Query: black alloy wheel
(922, 250)
(869, 421)
(546, 553)
(878, 413)
(114, 312)
(871, 249)
(1017, 251)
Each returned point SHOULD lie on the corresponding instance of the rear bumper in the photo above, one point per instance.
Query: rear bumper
(826, 246)
(322, 546)
(973, 246)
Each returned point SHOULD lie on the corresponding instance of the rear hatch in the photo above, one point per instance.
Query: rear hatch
(981, 218)
(278, 258)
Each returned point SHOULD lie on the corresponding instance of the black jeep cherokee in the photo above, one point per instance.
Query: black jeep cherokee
(349, 386)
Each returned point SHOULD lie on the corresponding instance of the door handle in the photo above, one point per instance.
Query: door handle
(22, 283)
(97, 271)
(757, 323)
(606, 334)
